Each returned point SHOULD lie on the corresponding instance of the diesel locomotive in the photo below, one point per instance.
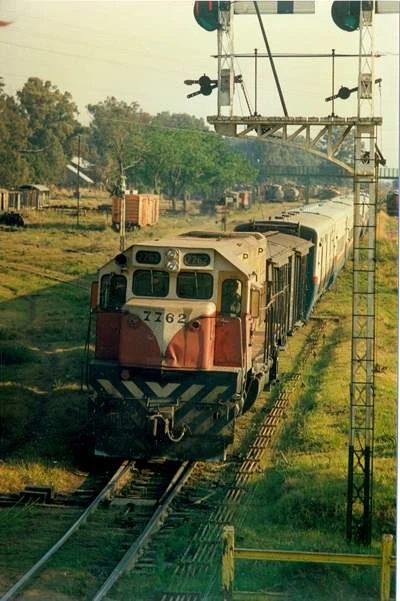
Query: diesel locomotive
(189, 327)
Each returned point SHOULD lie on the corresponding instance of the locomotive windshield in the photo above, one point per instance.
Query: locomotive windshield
(194, 284)
(150, 282)
(112, 292)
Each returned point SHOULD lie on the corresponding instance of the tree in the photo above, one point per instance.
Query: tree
(178, 121)
(14, 168)
(225, 168)
(181, 161)
(52, 123)
(117, 134)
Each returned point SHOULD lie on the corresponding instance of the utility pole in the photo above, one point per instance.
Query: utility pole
(333, 83)
(122, 204)
(78, 184)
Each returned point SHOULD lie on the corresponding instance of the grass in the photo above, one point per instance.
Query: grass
(300, 500)
(44, 323)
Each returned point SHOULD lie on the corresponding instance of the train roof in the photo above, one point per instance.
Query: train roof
(317, 217)
(247, 245)
(332, 208)
(286, 243)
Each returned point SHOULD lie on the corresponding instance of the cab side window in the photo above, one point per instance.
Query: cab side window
(231, 297)
(112, 292)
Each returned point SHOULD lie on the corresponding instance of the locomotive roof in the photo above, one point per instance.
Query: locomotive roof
(231, 245)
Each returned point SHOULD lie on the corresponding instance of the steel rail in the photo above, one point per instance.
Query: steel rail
(202, 549)
(23, 581)
(57, 277)
(131, 556)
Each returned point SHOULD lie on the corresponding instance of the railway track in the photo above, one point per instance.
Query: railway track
(151, 488)
(202, 555)
(49, 275)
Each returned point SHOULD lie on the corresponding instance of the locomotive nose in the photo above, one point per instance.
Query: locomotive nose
(174, 335)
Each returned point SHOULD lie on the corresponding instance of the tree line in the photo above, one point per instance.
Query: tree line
(171, 153)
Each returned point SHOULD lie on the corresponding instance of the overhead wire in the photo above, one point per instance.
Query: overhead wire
(84, 57)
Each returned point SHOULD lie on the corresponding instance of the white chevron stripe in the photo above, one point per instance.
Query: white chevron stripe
(109, 388)
(215, 393)
(162, 392)
(191, 392)
(133, 389)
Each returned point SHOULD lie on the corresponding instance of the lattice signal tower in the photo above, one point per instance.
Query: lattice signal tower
(365, 172)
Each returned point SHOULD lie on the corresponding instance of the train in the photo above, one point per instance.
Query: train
(189, 328)
(292, 192)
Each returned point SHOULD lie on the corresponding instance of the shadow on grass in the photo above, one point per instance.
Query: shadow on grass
(63, 226)
(43, 413)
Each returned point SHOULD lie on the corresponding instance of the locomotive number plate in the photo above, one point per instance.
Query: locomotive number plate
(157, 316)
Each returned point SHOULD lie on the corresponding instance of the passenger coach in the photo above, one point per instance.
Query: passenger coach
(329, 226)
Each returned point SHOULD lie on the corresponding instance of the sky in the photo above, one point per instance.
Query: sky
(142, 51)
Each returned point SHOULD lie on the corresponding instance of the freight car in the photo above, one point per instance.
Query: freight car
(140, 210)
(188, 329)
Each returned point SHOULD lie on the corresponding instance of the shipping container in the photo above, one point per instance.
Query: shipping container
(140, 210)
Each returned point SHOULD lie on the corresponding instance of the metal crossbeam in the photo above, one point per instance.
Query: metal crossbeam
(303, 132)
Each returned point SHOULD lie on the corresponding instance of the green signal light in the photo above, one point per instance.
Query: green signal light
(351, 23)
(206, 14)
(346, 15)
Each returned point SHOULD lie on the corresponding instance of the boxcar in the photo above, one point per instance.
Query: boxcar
(140, 210)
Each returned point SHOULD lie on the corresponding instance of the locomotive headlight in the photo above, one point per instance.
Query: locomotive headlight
(172, 256)
(172, 253)
(173, 266)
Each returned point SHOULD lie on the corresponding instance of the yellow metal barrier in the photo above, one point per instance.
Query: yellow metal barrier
(230, 553)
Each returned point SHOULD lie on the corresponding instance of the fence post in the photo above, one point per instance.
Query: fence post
(228, 568)
(386, 557)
